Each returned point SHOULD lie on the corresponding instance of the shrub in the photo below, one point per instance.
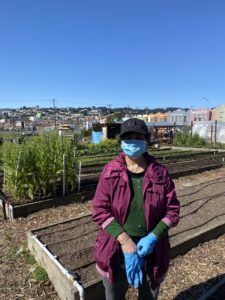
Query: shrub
(186, 139)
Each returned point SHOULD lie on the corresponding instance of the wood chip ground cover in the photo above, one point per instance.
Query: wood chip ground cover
(189, 276)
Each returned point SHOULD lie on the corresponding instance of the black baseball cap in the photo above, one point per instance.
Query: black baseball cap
(133, 125)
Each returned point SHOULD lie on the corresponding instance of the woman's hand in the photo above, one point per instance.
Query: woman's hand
(133, 262)
(146, 245)
(127, 244)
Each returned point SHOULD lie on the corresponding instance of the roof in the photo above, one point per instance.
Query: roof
(162, 124)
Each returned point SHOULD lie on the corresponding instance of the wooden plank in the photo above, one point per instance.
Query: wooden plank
(63, 286)
(23, 210)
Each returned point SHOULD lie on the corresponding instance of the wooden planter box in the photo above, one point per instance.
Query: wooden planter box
(93, 289)
(12, 212)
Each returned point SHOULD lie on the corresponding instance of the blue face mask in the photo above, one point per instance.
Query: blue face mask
(133, 148)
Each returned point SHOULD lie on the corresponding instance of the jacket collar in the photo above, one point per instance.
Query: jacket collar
(117, 167)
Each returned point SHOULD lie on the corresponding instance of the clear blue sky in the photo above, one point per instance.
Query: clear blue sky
(112, 52)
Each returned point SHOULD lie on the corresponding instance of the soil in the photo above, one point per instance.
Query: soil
(189, 275)
(202, 205)
(176, 169)
(72, 242)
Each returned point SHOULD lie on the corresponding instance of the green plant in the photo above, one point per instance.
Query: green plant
(28, 256)
(40, 274)
(12, 254)
(35, 167)
(186, 139)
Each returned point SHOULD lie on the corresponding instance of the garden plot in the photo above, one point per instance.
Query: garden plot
(189, 165)
(71, 242)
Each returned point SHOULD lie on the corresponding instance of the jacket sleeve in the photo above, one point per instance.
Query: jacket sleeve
(101, 203)
(172, 204)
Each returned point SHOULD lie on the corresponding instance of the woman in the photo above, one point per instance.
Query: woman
(135, 204)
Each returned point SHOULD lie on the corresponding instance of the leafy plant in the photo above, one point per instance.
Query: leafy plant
(186, 139)
(35, 167)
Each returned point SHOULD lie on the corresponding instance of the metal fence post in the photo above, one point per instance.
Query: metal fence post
(215, 132)
(79, 175)
(211, 135)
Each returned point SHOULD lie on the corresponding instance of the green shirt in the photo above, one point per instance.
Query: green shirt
(135, 220)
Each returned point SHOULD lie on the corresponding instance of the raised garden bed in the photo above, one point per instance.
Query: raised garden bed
(89, 181)
(13, 211)
(202, 219)
(187, 166)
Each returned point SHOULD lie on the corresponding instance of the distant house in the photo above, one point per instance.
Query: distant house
(201, 114)
(93, 112)
(142, 117)
(220, 113)
(158, 117)
(179, 116)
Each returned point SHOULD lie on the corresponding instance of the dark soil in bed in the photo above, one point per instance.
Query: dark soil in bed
(202, 205)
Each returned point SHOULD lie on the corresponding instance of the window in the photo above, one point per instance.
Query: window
(195, 117)
(221, 115)
(172, 118)
(185, 118)
(155, 119)
(165, 119)
(199, 117)
(176, 118)
(205, 117)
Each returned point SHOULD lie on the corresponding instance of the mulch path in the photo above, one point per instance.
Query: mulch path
(188, 276)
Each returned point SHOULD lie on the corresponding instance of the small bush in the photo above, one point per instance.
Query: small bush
(186, 139)
(105, 146)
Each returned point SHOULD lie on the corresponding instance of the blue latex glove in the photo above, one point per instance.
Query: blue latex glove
(146, 245)
(133, 265)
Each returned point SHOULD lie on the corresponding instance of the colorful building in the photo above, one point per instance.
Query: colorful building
(158, 117)
(179, 116)
(200, 114)
(220, 113)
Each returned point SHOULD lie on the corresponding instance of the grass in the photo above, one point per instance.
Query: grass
(12, 254)
(29, 257)
(17, 253)
(40, 274)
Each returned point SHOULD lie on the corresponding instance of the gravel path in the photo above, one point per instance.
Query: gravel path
(189, 276)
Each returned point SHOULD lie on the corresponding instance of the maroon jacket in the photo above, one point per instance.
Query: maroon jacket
(112, 199)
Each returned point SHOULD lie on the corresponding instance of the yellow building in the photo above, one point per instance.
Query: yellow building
(158, 117)
(220, 113)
